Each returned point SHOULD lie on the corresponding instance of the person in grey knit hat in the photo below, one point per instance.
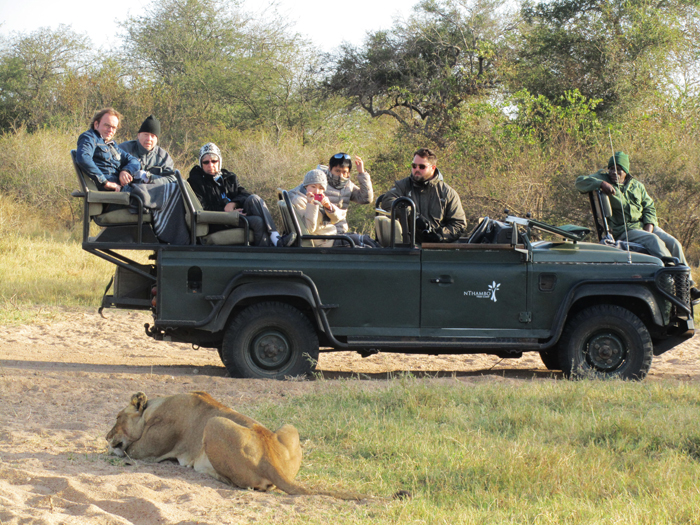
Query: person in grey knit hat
(319, 214)
(219, 190)
(157, 164)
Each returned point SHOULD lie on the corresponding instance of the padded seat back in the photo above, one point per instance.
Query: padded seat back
(97, 201)
(201, 229)
(382, 227)
(287, 219)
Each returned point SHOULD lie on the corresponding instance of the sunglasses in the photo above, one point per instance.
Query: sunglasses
(421, 166)
(341, 156)
(205, 162)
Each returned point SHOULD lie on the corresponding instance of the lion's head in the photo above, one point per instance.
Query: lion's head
(129, 426)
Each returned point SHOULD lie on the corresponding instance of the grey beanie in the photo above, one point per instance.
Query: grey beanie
(210, 149)
(316, 177)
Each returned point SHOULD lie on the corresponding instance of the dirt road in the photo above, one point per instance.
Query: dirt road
(63, 382)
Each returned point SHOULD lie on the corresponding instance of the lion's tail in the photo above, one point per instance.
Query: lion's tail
(296, 489)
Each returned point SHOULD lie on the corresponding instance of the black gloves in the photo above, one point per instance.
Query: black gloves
(431, 236)
(421, 224)
(427, 232)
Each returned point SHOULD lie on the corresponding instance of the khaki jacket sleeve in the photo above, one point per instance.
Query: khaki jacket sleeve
(307, 212)
(335, 214)
(364, 193)
(648, 208)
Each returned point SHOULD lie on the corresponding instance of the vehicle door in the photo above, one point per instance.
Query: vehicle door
(474, 290)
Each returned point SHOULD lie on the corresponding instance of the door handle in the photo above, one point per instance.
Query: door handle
(443, 279)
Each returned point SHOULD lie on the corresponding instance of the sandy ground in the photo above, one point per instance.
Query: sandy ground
(62, 384)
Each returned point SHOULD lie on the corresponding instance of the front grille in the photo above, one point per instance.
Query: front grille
(681, 283)
(675, 282)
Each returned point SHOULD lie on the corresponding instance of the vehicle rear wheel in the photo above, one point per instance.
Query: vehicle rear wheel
(550, 358)
(270, 341)
(606, 341)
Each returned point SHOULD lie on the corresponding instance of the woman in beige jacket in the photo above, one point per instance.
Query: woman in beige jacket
(319, 214)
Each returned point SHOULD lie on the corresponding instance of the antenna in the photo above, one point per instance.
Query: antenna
(624, 221)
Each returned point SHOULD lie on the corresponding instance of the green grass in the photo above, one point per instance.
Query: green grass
(39, 275)
(545, 452)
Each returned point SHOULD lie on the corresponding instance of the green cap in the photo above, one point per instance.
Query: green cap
(622, 160)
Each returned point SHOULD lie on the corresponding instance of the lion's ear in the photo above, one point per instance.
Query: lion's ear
(139, 400)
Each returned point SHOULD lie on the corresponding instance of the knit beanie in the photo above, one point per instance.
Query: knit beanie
(622, 160)
(151, 125)
(210, 149)
(315, 177)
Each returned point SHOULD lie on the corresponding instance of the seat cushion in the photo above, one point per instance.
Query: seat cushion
(121, 216)
(382, 226)
(228, 237)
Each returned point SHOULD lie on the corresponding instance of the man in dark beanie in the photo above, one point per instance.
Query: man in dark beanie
(154, 159)
(634, 213)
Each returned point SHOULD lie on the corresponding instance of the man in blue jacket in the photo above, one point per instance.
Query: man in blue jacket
(107, 164)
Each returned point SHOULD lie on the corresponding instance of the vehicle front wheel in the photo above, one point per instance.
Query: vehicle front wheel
(606, 341)
(270, 341)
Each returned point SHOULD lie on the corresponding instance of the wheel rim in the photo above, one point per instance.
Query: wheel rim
(270, 350)
(605, 351)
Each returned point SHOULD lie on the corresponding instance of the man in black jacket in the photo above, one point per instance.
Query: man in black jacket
(218, 190)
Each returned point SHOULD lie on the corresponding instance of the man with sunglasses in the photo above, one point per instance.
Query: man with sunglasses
(218, 190)
(439, 213)
(341, 191)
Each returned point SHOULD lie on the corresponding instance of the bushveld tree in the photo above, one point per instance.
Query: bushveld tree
(33, 68)
(212, 64)
(613, 50)
(422, 70)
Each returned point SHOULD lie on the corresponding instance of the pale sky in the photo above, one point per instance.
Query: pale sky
(325, 23)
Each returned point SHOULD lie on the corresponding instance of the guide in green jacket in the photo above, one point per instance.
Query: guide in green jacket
(629, 199)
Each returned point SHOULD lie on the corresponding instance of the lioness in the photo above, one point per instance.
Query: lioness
(202, 433)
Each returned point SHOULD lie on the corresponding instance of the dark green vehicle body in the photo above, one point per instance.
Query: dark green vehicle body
(457, 298)
(586, 308)
(422, 299)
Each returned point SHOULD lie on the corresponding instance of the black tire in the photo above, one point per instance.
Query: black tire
(550, 358)
(606, 341)
(270, 341)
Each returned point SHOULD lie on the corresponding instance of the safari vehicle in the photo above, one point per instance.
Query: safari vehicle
(588, 309)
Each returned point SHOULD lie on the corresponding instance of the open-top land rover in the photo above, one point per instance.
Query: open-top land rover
(589, 309)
